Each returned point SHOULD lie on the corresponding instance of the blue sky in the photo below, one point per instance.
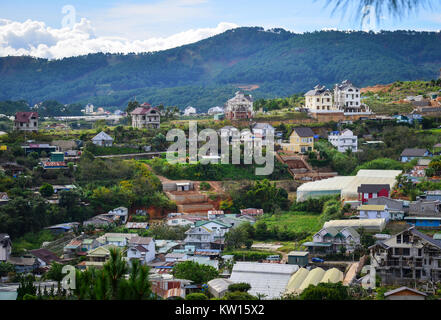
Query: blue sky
(135, 19)
(161, 22)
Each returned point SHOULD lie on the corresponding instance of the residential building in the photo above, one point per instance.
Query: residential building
(45, 257)
(407, 257)
(190, 111)
(120, 214)
(89, 108)
(344, 140)
(73, 248)
(146, 118)
(405, 293)
(24, 264)
(214, 214)
(97, 257)
(216, 110)
(4, 198)
(239, 107)
(319, 100)
(142, 249)
(332, 240)
(262, 130)
(424, 213)
(347, 96)
(218, 227)
(370, 191)
(300, 141)
(252, 212)
(98, 221)
(396, 208)
(102, 139)
(200, 237)
(26, 121)
(374, 211)
(5, 247)
(432, 195)
(410, 154)
(89, 244)
(137, 225)
(179, 222)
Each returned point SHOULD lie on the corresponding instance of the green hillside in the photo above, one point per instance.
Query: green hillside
(206, 73)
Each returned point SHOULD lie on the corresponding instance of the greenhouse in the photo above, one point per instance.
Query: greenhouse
(346, 186)
(303, 278)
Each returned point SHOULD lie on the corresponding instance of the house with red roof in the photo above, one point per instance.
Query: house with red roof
(146, 117)
(26, 121)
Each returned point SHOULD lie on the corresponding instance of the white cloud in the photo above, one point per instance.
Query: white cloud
(36, 39)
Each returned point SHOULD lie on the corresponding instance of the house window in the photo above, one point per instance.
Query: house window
(406, 252)
(399, 238)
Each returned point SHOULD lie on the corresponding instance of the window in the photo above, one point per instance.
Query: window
(406, 252)
(399, 238)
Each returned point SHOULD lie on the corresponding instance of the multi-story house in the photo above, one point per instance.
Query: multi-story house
(142, 249)
(200, 237)
(5, 247)
(189, 111)
(300, 141)
(331, 240)
(239, 107)
(408, 256)
(344, 140)
(146, 118)
(374, 211)
(396, 208)
(262, 130)
(26, 121)
(347, 96)
(319, 100)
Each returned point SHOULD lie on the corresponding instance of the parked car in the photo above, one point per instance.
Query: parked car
(319, 260)
(273, 258)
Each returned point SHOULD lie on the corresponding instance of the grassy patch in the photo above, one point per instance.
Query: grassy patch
(294, 221)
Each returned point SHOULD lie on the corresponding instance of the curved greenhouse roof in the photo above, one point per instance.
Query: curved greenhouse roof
(303, 278)
(368, 224)
(346, 186)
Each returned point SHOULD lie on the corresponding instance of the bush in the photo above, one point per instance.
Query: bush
(204, 186)
(196, 296)
(241, 287)
(46, 190)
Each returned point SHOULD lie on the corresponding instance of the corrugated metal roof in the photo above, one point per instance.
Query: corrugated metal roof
(265, 278)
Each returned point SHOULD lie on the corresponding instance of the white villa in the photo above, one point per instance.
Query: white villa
(239, 107)
(189, 111)
(102, 139)
(344, 140)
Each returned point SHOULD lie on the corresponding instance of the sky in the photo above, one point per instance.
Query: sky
(55, 29)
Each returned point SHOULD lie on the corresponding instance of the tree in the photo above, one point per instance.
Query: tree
(115, 269)
(26, 287)
(198, 273)
(241, 287)
(325, 291)
(46, 190)
(5, 268)
(236, 238)
(55, 272)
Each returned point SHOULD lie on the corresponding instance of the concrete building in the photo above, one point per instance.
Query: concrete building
(407, 257)
(26, 121)
(239, 107)
(146, 118)
(190, 111)
(410, 154)
(319, 100)
(347, 96)
(374, 211)
(344, 140)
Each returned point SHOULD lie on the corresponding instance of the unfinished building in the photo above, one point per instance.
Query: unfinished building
(407, 257)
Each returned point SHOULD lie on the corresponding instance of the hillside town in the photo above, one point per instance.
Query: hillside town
(352, 207)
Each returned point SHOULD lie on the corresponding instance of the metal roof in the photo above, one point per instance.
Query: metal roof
(269, 279)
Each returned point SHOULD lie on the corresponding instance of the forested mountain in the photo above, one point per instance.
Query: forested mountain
(206, 73)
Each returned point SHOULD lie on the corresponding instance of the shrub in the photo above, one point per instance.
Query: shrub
(241, 287)
(196, 296)
(204, 186)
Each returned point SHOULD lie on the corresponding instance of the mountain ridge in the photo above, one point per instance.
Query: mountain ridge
(207, 73)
